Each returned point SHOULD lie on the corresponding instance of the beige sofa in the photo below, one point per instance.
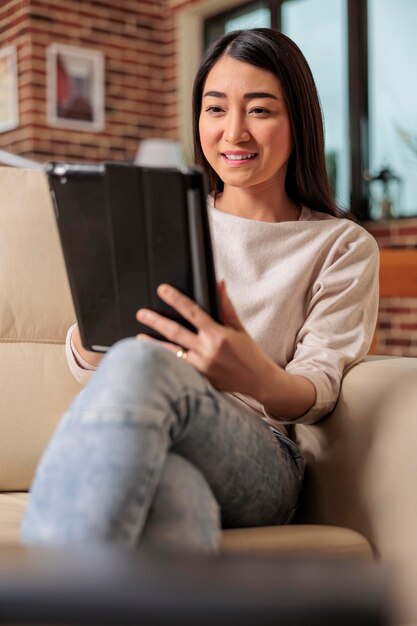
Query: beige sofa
(360, 494)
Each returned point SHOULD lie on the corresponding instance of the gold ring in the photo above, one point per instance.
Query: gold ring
(182, 354)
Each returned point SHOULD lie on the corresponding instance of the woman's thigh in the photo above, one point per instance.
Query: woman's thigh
(255, 476)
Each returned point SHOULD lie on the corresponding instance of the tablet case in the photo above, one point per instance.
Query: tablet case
(125, 229)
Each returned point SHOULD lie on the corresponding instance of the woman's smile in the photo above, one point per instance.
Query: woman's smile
(238, 158)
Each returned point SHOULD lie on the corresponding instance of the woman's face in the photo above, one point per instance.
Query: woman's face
(245, 130)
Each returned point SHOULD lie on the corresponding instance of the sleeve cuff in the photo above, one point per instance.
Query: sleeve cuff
(80, 369)
(322, 406)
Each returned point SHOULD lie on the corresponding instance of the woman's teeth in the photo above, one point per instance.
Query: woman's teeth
(239, 157)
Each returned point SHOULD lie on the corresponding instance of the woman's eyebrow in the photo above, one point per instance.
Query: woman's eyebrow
(260, 94)
(247, 96)
(215, 94)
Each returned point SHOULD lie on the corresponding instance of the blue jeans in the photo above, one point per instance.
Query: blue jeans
(149, 451)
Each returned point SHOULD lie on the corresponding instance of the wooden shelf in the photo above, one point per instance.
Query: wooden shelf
(398, 273)
(397, 278)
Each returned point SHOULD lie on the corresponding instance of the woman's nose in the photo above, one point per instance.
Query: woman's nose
(236, 129)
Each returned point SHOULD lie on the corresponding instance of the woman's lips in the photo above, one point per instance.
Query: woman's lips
(238, 159)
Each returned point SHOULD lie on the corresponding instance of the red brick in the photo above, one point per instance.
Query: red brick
(408, 325)
(384, 325)
(393, 341)
(408, 230)
(380, 232)
(397, 310)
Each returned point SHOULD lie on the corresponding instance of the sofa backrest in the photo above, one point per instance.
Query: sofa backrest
(35, 313)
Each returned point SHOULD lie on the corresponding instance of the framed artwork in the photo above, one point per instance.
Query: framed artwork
(75, 87)
(9, 101)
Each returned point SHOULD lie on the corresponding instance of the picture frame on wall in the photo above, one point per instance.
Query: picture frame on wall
(75, 87)
(9, 100)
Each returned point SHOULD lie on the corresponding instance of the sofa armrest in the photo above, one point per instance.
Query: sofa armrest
(354, 455)
(362, 464)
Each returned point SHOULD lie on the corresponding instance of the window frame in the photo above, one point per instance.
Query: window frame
(358, 105)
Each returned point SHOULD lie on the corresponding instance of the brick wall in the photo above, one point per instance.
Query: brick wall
(14, 29)
(136, 37)
(400, 233)
(397, 327)
(397, 317)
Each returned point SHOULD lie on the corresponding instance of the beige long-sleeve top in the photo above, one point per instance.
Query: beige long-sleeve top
(306, 291)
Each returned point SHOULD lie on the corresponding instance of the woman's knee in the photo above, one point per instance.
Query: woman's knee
(136, 358)
(133, 364)
(137, 378)
(182, 481)
(134, 353)
(185, 513)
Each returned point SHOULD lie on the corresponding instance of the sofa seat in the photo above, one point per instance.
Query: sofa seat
(12, 510)
(304, 538)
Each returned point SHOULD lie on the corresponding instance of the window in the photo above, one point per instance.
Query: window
(370, 130)
(325, 21)
(253, 15)
(393, 105)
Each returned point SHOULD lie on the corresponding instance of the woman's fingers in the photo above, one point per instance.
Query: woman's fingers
(174, 332)
(203, 346)
(189, 309)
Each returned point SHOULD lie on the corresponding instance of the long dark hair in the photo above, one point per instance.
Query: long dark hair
(306, 180)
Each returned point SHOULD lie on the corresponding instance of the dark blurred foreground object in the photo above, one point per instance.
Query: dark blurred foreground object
(112, 587)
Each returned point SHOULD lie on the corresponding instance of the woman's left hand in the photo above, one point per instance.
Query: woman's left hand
(225, 354)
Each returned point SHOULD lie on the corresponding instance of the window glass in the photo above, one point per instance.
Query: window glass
(319, 27)
(392, 49)
(253, 15)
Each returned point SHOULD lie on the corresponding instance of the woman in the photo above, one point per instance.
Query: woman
(170, 441)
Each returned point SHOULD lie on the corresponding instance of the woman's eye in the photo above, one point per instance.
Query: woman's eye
(259, 111)
(214, 109)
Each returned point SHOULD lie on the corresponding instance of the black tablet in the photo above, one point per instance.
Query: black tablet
(124, 230)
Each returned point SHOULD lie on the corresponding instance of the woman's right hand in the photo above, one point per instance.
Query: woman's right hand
(93, 358)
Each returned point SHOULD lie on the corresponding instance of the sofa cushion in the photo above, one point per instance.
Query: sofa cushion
(322, 540)
(35, 389)
(35, 312)
(38, 306)
(304, 538)
(12, 510)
